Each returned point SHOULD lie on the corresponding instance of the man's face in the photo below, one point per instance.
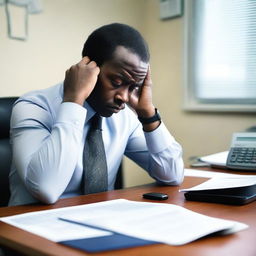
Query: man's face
(119, 77)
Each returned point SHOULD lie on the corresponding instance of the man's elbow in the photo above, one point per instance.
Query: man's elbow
(179, 173)
(178, 180)
(174, 181)
(47, 198)
(176, 176)
(42, 188)
(43, 193)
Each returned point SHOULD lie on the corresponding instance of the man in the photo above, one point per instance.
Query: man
(49, 127)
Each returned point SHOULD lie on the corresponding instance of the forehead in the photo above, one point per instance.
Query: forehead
(125, 61)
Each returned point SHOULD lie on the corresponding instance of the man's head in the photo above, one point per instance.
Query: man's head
(122, 55)
(102, 43)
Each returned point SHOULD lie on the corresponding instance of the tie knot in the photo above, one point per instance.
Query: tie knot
(96, 122)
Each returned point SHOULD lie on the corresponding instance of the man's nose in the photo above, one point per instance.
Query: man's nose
(123, 94)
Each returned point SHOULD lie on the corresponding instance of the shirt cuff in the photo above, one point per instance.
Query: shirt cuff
(159, 139)
(72, 113)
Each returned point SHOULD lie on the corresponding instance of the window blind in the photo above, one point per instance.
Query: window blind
(221, 56)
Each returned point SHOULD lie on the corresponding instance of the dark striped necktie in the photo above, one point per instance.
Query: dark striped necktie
(94, 159)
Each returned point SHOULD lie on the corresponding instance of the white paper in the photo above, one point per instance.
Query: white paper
(48, 225)
(165, 223)
(207, 174)
(218, 159)
(221, 182)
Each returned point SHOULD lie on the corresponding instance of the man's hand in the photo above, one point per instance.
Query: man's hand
(80, 80)
(141, 101)
(141, 98)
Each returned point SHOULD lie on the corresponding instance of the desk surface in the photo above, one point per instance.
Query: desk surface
(240, 243)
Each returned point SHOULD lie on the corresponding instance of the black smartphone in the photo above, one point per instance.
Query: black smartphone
(155, 196)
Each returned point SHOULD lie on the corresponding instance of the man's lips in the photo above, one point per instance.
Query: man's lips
(116, 109)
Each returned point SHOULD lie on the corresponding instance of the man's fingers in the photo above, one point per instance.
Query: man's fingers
(147, 80)
(85, 60)
(148, 76)
(92, 64)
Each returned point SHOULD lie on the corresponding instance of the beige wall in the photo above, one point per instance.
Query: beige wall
(198, 133)
(56, 37)
(55, 40)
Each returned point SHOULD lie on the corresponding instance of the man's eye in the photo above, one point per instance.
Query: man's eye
(133, 87)
(116, 83)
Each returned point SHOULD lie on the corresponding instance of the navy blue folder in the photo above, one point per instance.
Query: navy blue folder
(106, 243)
(115, 241)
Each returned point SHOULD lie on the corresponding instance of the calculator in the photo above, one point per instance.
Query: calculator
(242, 154)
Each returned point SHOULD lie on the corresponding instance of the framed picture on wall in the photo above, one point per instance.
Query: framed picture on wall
(170, 9)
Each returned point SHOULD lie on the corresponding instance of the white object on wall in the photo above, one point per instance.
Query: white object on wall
(17, 12)
(170, 8)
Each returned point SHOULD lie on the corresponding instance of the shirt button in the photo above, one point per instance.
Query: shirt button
(76, 122)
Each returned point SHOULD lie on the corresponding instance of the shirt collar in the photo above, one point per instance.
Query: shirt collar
(90, 111)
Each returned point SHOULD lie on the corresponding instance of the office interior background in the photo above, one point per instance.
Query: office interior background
(55, 41)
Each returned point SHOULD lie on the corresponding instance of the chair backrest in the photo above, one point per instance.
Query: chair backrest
(6, 104)
(119, 184)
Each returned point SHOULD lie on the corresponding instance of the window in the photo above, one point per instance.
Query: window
(220, 55)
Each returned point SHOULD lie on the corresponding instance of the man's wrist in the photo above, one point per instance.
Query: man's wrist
(151, 119)
(151, 127)
(77, 100)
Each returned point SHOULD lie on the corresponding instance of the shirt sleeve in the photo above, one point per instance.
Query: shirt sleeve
(45, 149)
(158, 153)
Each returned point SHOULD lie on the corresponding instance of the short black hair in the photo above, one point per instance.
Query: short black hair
(101, 43)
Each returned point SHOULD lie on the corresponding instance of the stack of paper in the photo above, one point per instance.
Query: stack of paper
(120, 224)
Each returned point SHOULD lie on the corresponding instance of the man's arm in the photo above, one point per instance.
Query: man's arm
(158, 153)
(45, 151)
(163, 159)
(46, 155)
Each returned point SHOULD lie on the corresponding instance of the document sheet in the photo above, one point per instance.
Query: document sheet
(165, 223)
(48, 225)
(209, 174)
(160, 222)
(217, 159)
(222, 182)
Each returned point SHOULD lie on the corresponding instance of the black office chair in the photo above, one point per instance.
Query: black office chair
(5, 149)
(119, 184)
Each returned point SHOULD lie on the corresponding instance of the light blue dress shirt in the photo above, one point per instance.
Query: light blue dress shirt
(47, 138)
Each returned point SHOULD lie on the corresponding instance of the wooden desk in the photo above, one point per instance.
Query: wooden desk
(240, 243)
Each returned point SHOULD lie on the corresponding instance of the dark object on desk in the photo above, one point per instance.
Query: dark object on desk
(115, 241)
(242, 158)
(233, 196)
(155, 196)
(242, 151)
(5, 148)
